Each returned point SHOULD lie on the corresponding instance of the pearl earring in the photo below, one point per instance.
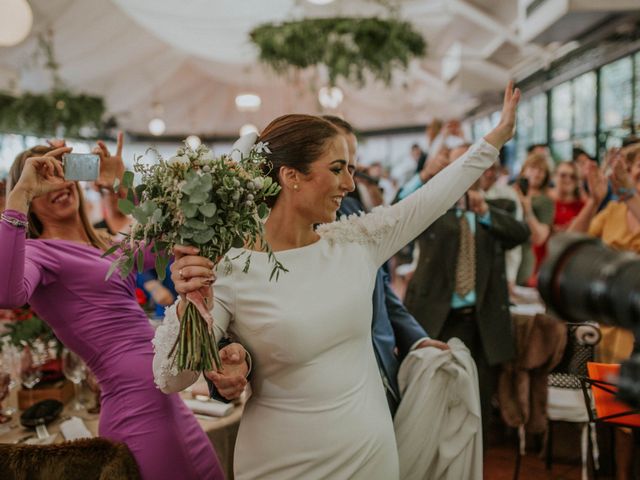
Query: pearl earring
(295, 186)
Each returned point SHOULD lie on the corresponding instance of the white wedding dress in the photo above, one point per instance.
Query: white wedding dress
(318, 409)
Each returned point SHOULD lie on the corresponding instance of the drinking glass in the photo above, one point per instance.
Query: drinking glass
(76, 371)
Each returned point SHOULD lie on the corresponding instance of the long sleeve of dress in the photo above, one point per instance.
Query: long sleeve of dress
(19, 276)
(386, 230)
(415, 213)
(165, 372)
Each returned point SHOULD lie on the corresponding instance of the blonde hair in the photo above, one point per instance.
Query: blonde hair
(35, 225)
(538, 160)
(631, 154)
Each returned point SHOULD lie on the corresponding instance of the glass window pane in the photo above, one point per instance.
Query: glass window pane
(561, 112)
(562, 151)
(615, 95)
(588, 144)
(539, 112)
(481, 127)
(584, 104)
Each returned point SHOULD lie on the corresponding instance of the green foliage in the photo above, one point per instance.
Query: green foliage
(42, 114)
(195, 199)
(347, 46)
(27, 328)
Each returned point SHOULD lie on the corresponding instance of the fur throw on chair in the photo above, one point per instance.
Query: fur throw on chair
(87, 459)
(522, 387)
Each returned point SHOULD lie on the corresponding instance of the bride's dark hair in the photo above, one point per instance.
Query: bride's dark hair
(295, 141)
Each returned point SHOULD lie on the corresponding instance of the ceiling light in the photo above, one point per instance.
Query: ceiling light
(157, 127)
(15, 22)
(248, 128)
(320, 2)
(193, 141)
(330, 97)
(248, 102)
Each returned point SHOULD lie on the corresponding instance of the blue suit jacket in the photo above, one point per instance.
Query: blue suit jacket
(392, 326)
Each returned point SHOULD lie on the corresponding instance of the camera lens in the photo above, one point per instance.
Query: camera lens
(583, 280)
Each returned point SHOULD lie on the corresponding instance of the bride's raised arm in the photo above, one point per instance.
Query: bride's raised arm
(393, 227)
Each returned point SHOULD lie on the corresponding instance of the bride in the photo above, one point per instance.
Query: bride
(318, 408)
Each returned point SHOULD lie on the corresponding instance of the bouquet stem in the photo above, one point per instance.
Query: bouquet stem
(196, 346)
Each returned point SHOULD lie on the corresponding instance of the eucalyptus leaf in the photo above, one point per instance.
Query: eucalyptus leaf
(161, 266)
(189, 209)
(127, 179)
(263, 211)
(140, 263)
(126, 206)
(208, 209)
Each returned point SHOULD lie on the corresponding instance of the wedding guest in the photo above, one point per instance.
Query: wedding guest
(538, 211)
(493, 190)
(318, 408)
(53, 259)
(566, 195)
(618, 226)
(395, 332)
(471, 301)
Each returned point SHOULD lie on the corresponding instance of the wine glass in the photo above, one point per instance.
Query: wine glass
(10, 360)
(76, 371)
(30, 377)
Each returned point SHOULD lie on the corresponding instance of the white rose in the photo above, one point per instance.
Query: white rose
(207, 156)
(179, 160)
(243, 146)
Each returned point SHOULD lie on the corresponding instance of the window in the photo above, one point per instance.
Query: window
(562, 121)
(615, 101)
(531, 124)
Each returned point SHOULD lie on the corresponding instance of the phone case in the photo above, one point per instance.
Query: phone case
(81, 166)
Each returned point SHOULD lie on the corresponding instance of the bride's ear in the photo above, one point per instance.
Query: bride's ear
(290, 178)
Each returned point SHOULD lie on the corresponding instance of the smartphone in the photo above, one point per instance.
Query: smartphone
(523, 185)
(81, 166)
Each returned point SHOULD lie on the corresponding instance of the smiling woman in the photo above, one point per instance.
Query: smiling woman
(53, 260)
(318, 408)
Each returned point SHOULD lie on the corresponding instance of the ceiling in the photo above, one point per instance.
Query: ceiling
(186, 61)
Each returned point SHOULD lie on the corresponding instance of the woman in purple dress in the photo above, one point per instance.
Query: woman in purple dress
(51, 258)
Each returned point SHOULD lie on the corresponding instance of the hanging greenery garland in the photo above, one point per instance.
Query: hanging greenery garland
(347, 46)
(48, 113)
(57, 112)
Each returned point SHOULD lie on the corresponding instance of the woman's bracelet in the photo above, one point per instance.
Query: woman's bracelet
(14, 221)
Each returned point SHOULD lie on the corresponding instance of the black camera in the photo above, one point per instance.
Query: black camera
(583, 280)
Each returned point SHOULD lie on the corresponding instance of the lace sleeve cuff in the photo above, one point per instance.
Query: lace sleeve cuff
(165, 372)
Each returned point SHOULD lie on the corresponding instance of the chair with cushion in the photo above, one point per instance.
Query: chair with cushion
(86, 459)
(565, 402)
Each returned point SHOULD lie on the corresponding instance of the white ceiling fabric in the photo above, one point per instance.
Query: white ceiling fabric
(193, 57)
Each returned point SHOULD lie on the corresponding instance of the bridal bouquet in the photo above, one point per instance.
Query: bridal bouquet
(196, 199)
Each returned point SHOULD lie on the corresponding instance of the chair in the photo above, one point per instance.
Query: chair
(600, 396)
(87, 459)
(565, 401)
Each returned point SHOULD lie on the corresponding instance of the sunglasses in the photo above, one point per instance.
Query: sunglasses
(567, 175)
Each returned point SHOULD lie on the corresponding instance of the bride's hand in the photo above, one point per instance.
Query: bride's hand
(505, 129)
(191, 273)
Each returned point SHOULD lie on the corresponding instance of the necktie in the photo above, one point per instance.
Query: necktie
(466, 264)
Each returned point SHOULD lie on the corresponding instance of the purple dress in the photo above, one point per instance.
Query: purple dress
(64, 282)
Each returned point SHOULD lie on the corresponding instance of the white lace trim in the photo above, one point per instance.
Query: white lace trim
(362, 228)
(163, 341)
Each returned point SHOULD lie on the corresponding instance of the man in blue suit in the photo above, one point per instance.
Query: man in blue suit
(394, 330)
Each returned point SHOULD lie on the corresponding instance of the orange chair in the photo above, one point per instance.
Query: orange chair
(607, 408)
